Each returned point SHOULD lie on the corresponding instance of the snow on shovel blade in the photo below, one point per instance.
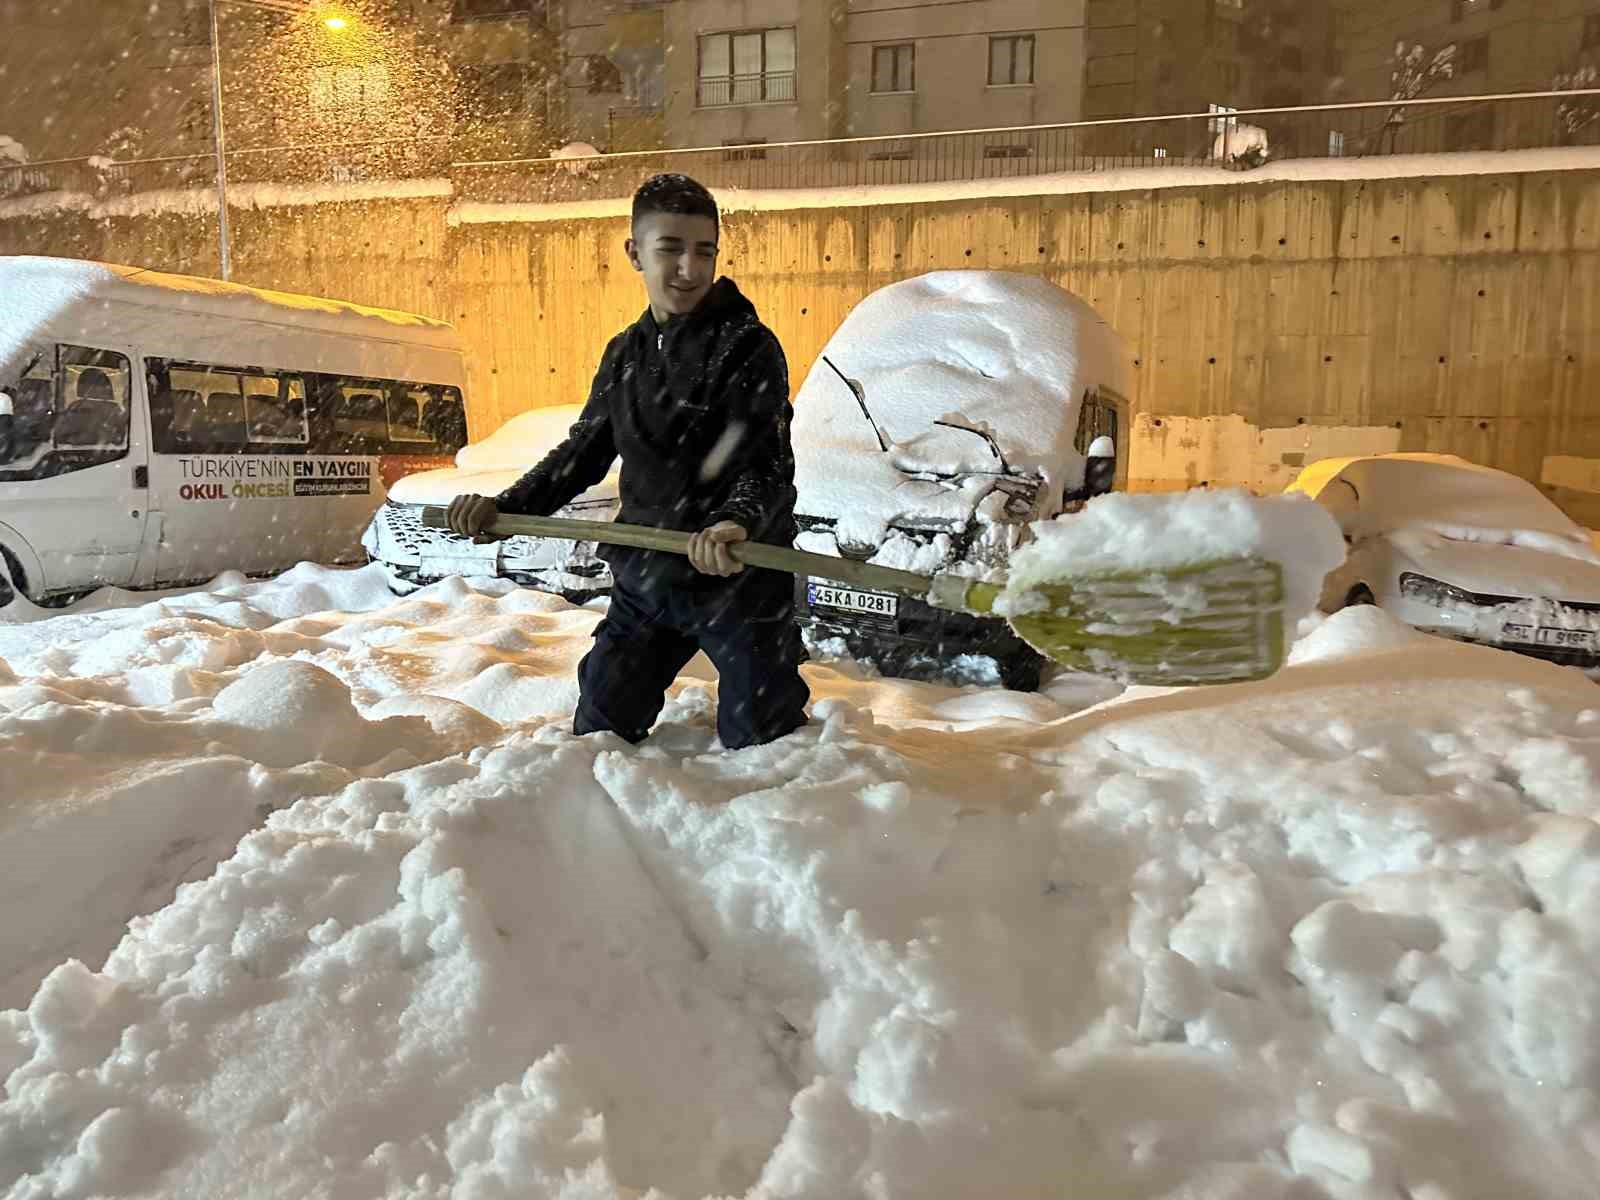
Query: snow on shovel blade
(1219, 621)
(1203, 623)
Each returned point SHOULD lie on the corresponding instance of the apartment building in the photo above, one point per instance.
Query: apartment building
(1501, 45)
(502, 78)
(489, 79)
(1146, 57)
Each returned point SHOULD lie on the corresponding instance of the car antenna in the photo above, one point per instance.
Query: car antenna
(860, 393)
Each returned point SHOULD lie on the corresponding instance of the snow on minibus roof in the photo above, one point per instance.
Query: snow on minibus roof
(41, 291)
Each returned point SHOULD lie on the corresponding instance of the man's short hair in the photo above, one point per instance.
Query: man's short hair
(674, 194)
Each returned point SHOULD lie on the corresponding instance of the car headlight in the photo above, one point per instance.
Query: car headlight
(1433, 591)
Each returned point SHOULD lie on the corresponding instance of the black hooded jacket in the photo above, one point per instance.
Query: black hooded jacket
(699, 412)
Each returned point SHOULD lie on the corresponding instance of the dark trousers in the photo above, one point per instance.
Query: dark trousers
(746, 629)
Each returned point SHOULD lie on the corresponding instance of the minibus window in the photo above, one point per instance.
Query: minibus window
(406, 409)
(33, 415)
(93, 396)
(445, 419)
(360, 422)
(275, 410)
(69, 411)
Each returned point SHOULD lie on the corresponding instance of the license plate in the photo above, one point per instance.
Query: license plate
(826, 595)
(1543, 635)
(433, 564)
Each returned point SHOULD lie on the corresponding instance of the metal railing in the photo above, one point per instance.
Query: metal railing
(1217, 141)
(1221, 142)
(770, 87)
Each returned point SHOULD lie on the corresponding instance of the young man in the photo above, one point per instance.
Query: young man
(694, 397)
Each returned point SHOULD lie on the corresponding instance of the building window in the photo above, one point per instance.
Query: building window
(601, 75)
(491, 93)
(894, 68)
(347, 93)
(1335, 144)
(1160, 152)
(195, 119)
(1011, 60)
(896, 151)
(1475, 54)
(749, 67)
(194, 25)
(744, 149)
(490, 10)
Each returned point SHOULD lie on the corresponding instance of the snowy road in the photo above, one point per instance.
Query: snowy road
(1332, 935)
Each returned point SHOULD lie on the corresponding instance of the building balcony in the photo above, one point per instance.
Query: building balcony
(724, 91)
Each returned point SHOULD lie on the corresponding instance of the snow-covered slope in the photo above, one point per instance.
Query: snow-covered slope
(1327, 936)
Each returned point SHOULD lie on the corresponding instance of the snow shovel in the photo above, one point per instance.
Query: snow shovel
(1210, 622)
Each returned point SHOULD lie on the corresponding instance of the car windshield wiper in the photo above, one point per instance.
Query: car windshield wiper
(860, 393)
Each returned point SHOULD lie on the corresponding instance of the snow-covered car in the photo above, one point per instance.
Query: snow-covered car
(413, 556)
(945, 414)
(1461, 550)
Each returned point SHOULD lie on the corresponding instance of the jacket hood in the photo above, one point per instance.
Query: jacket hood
(723, 302)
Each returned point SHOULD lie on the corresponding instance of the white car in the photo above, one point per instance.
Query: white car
(1456, 549)
(413, 556)
(945, 414)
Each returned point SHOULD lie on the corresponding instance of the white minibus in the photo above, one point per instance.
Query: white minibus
(158, 429)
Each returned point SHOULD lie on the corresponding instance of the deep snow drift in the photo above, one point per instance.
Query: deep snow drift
(1329, 935)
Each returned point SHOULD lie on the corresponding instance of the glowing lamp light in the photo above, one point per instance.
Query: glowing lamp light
(335, 23)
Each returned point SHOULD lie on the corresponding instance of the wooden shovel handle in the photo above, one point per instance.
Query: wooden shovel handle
(752, 554)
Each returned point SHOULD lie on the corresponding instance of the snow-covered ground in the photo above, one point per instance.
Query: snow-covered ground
(1330, 935)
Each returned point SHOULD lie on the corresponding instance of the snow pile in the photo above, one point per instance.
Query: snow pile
(992, 351)
(1331, 935)
(576, 158)
(1241, 142)
(1122, 532)
(521, 441)
(202, 201)
(488, 467)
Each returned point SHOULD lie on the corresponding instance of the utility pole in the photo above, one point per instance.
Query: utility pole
(218, 137)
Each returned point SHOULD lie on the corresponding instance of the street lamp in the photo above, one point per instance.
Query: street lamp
(219, 138)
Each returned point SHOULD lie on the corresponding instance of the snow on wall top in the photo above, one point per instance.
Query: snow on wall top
(49, 293)
(992, 350)
(1116, 179)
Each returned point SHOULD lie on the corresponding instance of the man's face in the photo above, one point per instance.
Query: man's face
(677, 255)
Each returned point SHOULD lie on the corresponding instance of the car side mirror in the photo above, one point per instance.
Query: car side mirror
(8, 424)
(1100, 471)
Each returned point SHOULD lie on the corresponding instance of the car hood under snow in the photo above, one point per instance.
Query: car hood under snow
(489, 467)
(1492, 569)
(445, 484)
(1009, 354)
